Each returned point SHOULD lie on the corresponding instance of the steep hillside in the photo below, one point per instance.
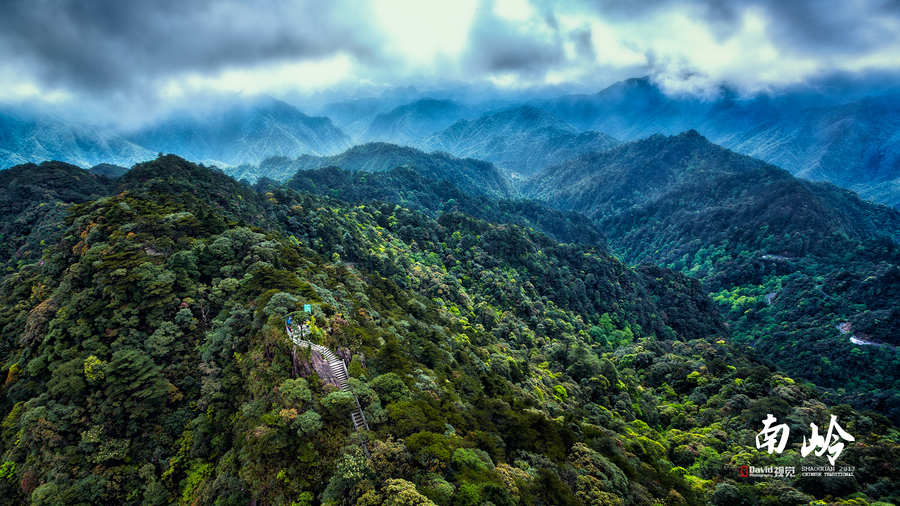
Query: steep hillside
(475, 177)
(597, 183)
(33, 201)
(147, 362)
(788, 260)
(523, 140)
(856, 145)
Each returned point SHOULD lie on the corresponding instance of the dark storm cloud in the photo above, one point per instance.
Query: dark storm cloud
(810, 27)
(584, 44)
(101, 46)
(497, 45)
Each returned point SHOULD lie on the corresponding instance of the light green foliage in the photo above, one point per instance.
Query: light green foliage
(92, 436)
(304, 499)
(469, 494)
(8, 471)
(468, 458)
(198, 472)
(93, 369)
(396, 492)
(561, 393)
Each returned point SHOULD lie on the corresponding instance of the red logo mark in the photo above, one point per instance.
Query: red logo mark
(745, 471)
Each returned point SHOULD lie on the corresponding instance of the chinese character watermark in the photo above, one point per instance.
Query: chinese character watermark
(770, 435)
(775, 438)
(831, 442)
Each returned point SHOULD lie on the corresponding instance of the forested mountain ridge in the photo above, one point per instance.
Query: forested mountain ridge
(787, 260)
(475, 177)
(599, 182)
(147, 363)
(33, 201)
(524, 139)
(405, 186)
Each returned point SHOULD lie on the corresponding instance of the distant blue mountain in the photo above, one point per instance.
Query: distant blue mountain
(31, 137)
(242, 132)
(852, 142)
(523, 140)
(410, 122)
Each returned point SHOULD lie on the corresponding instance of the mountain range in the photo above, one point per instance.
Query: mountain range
(523, 140)
(407, 123)
(788, 260)
(234, 133)
(849, 139)
(244, 133)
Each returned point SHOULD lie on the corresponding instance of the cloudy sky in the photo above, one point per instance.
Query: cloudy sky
(147, 53)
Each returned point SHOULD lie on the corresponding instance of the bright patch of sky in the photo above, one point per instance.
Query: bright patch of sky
(271, 78)
(418, 31)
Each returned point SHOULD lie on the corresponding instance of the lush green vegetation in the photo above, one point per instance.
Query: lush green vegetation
(410, 189)
(475, 177)
(33, 202)
(786, 260)
(146, 363)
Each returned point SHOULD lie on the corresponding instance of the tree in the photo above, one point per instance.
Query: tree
(134, 385)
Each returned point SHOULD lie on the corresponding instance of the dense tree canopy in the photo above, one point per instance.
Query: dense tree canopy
(147, 362)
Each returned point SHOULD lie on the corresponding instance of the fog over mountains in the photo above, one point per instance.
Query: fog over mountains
(850, 139)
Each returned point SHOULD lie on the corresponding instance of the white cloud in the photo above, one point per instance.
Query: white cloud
(270, 78)
(513, 10)
(417, 32)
